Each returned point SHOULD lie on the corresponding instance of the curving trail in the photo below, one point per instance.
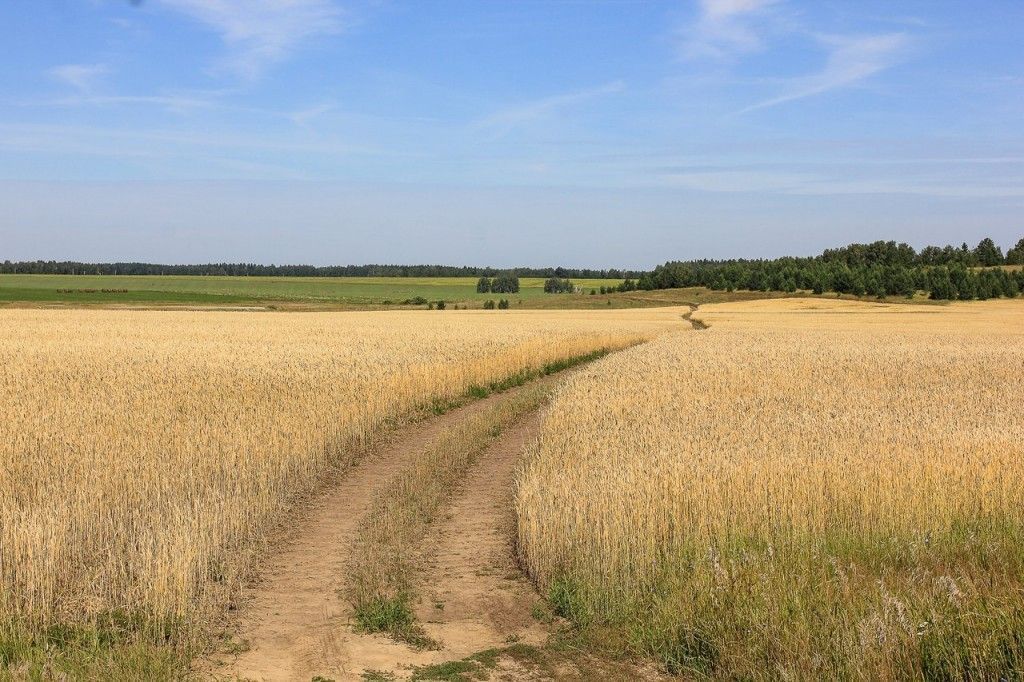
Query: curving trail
(295, 622)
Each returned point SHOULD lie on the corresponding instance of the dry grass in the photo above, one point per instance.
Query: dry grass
(807, 489)
(143, 455)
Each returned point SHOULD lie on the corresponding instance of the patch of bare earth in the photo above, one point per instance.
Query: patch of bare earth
(474, 596)
(295, 622)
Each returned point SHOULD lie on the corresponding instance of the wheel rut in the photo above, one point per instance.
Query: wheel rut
(474, 595)
(294, 623)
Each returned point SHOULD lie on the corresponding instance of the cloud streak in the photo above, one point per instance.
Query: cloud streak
(726, 28)
(82, 77)
(260, 33)
(503, 122)
(850, 61)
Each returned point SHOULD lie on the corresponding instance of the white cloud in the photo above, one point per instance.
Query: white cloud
(79, 76)
(850, 60)
(304, 116)
(503, 122)
(727, 27)
(259, 33)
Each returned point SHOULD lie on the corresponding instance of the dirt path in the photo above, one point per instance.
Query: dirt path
(295, 622)
(475, 596)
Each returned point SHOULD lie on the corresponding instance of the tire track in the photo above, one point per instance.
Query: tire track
(295, 620)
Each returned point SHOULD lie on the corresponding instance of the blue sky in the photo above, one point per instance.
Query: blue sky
(577, 132)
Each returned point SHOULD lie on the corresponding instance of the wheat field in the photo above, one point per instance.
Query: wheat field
(805, 490)
(144, 455)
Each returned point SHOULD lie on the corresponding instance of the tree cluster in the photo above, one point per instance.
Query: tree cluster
(557, 285)
(502, 284)
(878, 269)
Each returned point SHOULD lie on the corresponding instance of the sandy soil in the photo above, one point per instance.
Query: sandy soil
(474, 595)
(295, 623)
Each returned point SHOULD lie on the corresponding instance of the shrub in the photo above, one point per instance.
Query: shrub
(503, 304)
(505, 284)
(556, 285)
(489, 304)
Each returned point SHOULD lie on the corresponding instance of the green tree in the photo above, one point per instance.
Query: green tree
(505, 284)
(940, 284)
(1015, 256)
(483, 285)
(873, 285)
(857, 284)
(556, 285)
(987, 253)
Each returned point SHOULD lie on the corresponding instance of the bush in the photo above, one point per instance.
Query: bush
(503, 304)
(440, 305)
(483, 285)
(489, 304)
(505, 284)
(556, 285)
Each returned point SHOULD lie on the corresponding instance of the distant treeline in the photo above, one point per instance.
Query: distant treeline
(882, 268)
(877, 269)
(257, 270)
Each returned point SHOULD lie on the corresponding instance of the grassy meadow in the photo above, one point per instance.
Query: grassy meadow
(234, 291)
(344, 293)
(805, 490)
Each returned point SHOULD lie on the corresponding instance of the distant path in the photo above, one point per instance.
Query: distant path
(696, 324)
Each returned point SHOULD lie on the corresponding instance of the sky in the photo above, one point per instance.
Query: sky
(593, 133)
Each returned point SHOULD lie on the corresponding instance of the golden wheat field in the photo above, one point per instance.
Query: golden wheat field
(143, 455)
(805, 490)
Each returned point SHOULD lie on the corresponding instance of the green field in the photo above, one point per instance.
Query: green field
(234, 291)
(342, 293)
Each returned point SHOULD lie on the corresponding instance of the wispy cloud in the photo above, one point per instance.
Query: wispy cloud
(173, 103)
(725, 28)
(304, 116)
(259, 33)
(505, 121)
(79, 76)
(801, 184)
(730, 29)
(850, 60)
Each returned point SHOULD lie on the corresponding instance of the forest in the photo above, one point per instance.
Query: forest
(881, 268)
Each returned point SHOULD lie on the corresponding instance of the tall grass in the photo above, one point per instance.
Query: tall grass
(144, 455)
(842, 497)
